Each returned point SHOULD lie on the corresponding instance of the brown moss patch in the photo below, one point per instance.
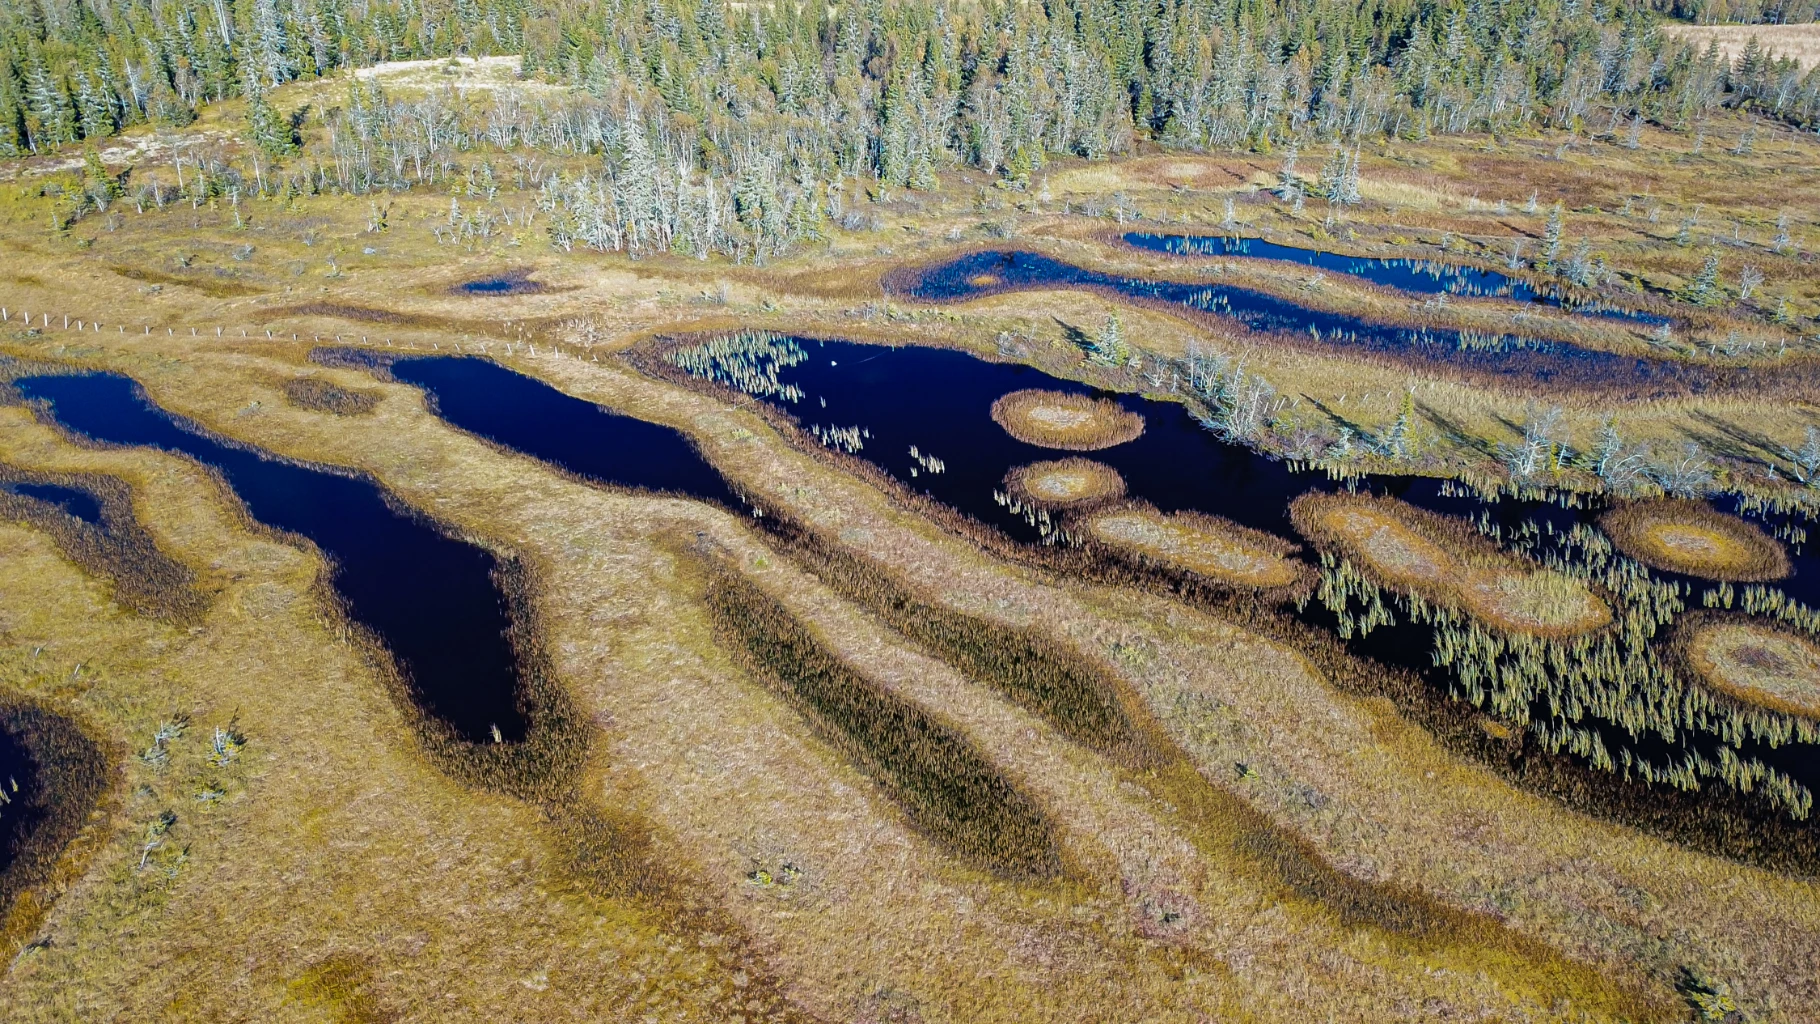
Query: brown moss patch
(70, 773)
(1065, 483)
(1690, 538)
(1057, 419)
(318, 395)
(1756, 663)
(1202, 544)
(1445, 561)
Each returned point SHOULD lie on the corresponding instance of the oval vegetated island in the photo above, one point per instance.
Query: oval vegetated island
(1057, 419)
(1758, 664)
(1065, 483)
(1443, 560)
(1201, 544)
(1689, 538)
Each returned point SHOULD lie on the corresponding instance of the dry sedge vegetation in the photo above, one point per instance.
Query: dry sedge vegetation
(1065, 483)
(1757, 663)
(1054, 419)
(1417, 551)
(1206, 545)
(1689, 537)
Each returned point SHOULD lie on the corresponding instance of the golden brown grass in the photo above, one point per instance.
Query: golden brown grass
(1442, 560)
(1202, 544)
(1056, 419)
(1757, 663)
(1690, 537)
(1065, 483)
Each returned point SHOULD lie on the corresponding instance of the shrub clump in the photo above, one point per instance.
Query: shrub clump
(1057, 419)
(1690, 538)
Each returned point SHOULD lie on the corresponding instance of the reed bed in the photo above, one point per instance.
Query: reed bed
(1758, 663)
(118, 549)
(1690, 538)
(319, 395)
(1446, 562)
(1058, 419)
(1064, 483)
(947, 787)
(71, 773)
(1198, 543)
(1612, 697)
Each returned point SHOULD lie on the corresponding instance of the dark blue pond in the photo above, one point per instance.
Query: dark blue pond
(525, 414)
(940, 401)
(1504, 358)
(504, 284)
(18, 779)
(1427, 277)
(76, 502)
(434, 601)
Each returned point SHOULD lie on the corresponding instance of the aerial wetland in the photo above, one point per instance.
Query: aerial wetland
(942, 512)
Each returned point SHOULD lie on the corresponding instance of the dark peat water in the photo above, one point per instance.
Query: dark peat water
(71, 500)
(1425, 277)
(432, 600)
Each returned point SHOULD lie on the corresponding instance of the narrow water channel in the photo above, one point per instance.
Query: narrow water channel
(1425, 277)
(432, 600)
(1495, 357)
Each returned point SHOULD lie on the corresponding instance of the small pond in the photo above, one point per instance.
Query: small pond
(433, 601)
(72, 500)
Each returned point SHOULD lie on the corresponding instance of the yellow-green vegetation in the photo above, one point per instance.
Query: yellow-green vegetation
(1065, 483)
(1757, 663)
(1202, 544)
(1691, 538)
(1057, 419)
(1442, 561)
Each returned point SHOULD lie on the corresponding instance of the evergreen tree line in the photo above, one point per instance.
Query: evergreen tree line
(735, 128)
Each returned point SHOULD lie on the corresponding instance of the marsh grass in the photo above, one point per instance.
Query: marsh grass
(319, 395)
(949, 789)
(213, 287)
(71, 773)
(1691, 538)
(1195, 542)
(1760, 664)
(1058, 419)
(1065, 483)
(1444, 561)
(118, 549)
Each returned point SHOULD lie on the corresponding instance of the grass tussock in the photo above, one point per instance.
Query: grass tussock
(341, 987)
(947, 787)
(1065, 483)
(1202, 544)
(1057, 419)
(1754, 662)
(118, 548)
(69, 775)
(1690, 538)
(318, 395)
(1443, 561)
